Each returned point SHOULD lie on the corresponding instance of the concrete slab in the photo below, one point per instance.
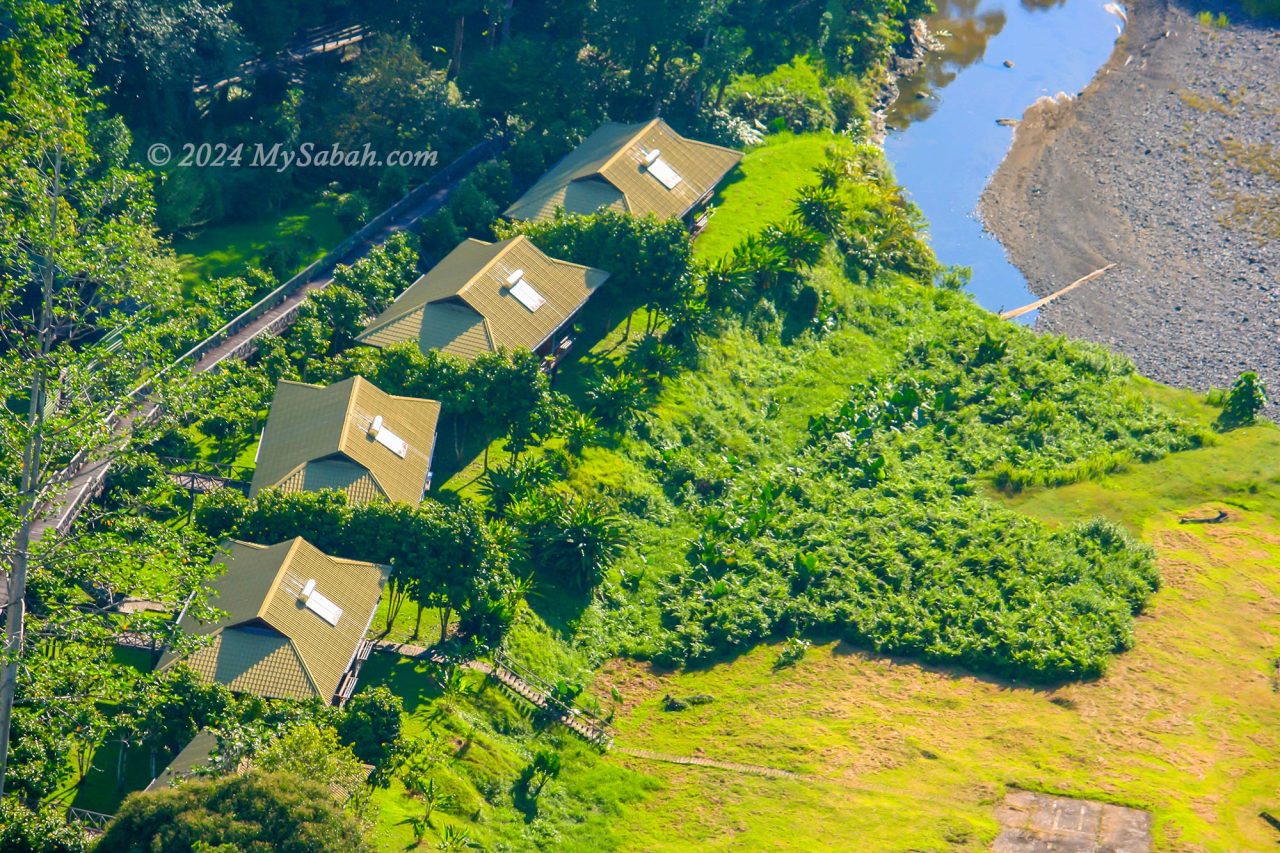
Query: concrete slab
(1044, 823)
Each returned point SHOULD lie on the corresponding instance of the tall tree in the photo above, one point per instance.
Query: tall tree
(85, 286)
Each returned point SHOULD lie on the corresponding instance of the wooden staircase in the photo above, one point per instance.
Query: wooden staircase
(524, 684)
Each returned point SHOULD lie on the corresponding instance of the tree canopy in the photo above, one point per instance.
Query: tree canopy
(255, 812)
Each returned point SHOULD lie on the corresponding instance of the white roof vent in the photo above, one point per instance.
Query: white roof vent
(662, 170)
(388, 439)
(319, 605)
(515, 277)
(527, 296)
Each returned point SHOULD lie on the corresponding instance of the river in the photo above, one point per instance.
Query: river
(996, 58)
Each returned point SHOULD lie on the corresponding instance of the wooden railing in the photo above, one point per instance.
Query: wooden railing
(531, 687)
(315, 41)
(94, 822)
(138, 406)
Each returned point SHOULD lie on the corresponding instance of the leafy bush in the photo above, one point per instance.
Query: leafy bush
(792, 95)
(351, 209)
(438, 235)
(45, 831)
(371, 724)
(648, 259)
(255, 811)
(792, 653)
(877, 531)
(576, 539)
(1241, 405)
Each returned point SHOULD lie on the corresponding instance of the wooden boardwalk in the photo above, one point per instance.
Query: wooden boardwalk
(83, 479)
(316, 42)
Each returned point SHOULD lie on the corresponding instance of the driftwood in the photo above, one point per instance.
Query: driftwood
(1040, 303)
(1217, 519)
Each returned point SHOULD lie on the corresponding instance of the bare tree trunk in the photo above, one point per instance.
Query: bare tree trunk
(700, 96)
(15, 612)
(445, 614)
(417, 625)
(507, 10)
(459, 35)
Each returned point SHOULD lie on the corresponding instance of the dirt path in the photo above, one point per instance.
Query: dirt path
(1162, 165)
(698, 761)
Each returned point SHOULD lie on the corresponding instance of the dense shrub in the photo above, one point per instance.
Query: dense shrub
(255, 811)
(1241, 404)
(44, 831)
(791, 97)
(649, 259)
(878, 531)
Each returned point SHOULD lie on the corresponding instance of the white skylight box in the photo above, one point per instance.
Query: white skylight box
(524, 293)
(319, 605)
(661, 169)
(388, 439)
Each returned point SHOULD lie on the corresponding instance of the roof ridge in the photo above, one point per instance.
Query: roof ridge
(306, 670)
(275, 583)
(626, 146)
(488, 332)
(356, 381)
(502, 253)
(369, 330)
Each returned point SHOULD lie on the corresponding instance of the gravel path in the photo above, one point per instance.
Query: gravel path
(1147, 168)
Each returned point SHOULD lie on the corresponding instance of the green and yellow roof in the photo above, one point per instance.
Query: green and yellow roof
(295, 617)
(637, 168)
(351, 436)
(485, 296)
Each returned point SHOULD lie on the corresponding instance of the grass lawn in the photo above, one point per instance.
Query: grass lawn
(228, 249)
(900, 756)
(240, 456)
(761, 189)
(99, 791)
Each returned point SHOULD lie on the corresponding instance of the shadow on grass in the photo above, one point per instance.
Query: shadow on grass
(559, 605)
(846, 648)
(411, 680)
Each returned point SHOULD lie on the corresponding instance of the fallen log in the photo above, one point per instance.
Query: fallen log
(1217, 519)
(1040, 303)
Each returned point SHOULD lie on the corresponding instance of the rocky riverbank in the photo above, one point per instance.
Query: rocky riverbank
(1168, 164)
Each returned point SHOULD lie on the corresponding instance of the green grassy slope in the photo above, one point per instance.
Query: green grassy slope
(900, 756)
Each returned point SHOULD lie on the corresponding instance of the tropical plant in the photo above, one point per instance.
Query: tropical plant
(617, 398)
(575, 538)
(544, 767)
(1241, 405)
